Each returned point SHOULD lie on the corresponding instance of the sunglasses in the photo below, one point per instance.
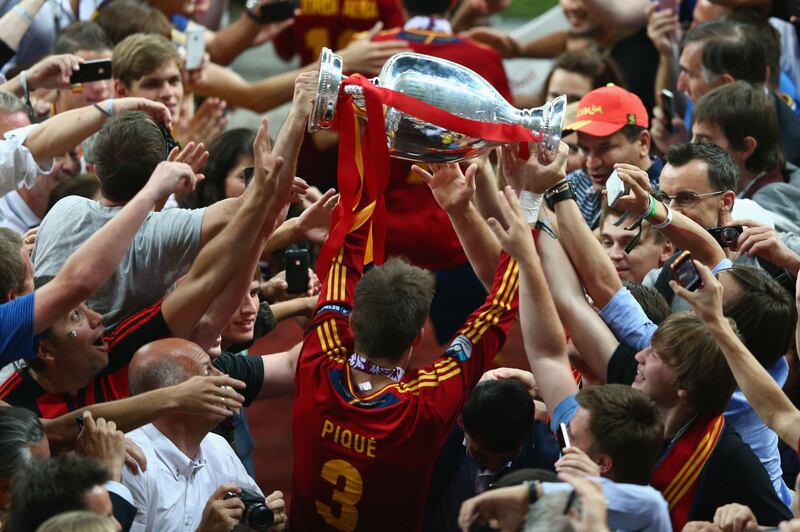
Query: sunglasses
(168, 138)
(685, 198)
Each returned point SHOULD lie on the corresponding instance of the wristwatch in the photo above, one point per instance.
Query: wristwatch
(560, 192)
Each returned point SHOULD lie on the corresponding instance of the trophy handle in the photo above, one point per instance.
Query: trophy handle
(555, 111)
(330, 75)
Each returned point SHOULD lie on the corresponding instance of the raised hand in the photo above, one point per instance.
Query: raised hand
(171, 178)
(762, 240)
(204, 395)
(517, 240)
(573, 461)
(663, 29)
(315, 222)
(305, 91)
(274, 289)
(659, 130)
(637, 183)
(193, 154)
(101, 440)
(452, 189)
(520, 375)
(365, 56)
(53, 72)
(540, 172)
(206, 123)
(157, 110)
(706, 301)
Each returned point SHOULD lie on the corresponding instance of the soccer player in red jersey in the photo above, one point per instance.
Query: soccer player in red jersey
(367, 427)
(416, 227)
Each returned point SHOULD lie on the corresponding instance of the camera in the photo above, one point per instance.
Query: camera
(256, 512)
(727, 236)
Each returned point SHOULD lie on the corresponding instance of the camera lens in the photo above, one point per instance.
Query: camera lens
(258, 516)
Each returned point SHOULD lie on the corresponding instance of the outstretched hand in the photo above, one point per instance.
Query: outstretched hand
(541, 171)
(637, 183)
(517, 239)
(452, 189)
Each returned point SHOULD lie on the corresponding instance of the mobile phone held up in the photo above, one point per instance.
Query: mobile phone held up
(92, 71)
(684, 272)
(615, 189)
(296, 271)
(668, 108)
(272, 11)
(563, 437)
(195, 48)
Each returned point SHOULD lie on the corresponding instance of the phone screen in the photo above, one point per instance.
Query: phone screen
(563, 437)
(668, 108)
(686, 274)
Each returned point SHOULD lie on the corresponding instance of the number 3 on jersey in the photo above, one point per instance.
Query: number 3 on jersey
(346, 494)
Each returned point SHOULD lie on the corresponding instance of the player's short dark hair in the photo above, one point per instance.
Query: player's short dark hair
(626, 425)
(723, 174)
(82, 35)
(49, 488)
(652, 302)
(764, 312)
(390, 306)
(742, 110)
(427, 7)
(127, 150)
(498, 414)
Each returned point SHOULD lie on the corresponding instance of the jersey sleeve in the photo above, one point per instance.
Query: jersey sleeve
(449, 380)
(391, 13)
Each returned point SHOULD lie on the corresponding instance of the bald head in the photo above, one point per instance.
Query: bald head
(165, 363)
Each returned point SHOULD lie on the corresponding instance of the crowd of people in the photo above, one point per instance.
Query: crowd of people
(651, 260)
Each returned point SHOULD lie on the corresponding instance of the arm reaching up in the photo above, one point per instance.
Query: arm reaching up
(542, 334)
(761, 391)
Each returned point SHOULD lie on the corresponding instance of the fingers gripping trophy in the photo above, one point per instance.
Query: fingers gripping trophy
(420, 108)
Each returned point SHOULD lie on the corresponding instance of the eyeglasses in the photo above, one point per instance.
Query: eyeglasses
(168, 138)
(685, 198)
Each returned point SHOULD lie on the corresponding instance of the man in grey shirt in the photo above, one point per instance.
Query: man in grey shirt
(126, 151)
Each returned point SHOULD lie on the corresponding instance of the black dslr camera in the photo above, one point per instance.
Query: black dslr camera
(256, 513)
(727, 236)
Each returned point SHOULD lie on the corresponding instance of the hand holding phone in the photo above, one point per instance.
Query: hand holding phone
(92, 71)
(195, 48)
(668, 108)
(563, 437)
(685, 273)
(615, 189)
(296, 271)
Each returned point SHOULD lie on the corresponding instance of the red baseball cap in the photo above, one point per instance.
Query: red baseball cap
(606, 110)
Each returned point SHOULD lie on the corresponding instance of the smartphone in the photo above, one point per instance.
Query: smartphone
(668, 108)
(615, 189)
(92, 71)
(296, 270)
(684, 272)
(563, 437)
(272, 11)
(195, 48)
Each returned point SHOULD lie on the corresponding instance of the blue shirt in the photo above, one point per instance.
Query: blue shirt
(631, 326)
(16, 330)
(588, 199)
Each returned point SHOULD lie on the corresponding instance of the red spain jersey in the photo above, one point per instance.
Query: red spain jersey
(362, 462)
(416, 227)
(333, 23)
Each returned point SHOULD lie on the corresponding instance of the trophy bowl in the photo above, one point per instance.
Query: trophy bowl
(443, 84)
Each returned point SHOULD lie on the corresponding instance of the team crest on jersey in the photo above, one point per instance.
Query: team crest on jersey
(334, 308)
(460, 348)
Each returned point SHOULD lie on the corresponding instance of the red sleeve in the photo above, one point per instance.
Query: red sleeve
(447, 382)
(284, 44)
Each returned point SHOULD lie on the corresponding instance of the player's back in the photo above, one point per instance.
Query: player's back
(367, 458)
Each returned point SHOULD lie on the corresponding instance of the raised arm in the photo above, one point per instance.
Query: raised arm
(15, 23)
(94, 262)
(591, 336)
(453, 191)
(542, 333)
(762, 392)
(215, 266)
(61, 133)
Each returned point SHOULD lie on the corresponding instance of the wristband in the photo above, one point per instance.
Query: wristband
(667, 221)
(19, 10)
(652, 210)
(530, 203)
(109, 107)
(533, 490)
(561, 192)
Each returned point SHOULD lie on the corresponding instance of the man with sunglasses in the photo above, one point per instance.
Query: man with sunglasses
(612, 128)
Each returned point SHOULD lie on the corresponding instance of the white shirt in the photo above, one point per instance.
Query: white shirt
(17, 166)
(172, 493)
(15, 214)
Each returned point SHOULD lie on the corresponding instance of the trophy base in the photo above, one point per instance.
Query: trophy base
(330, 76)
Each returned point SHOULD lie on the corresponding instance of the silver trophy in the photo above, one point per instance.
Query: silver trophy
(443, 84)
